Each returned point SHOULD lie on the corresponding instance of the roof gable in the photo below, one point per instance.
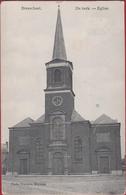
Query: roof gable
(24, 123)
(41, 119)
(76, 116)
(104, 119)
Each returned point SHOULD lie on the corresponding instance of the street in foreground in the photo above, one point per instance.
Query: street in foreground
(63, 185)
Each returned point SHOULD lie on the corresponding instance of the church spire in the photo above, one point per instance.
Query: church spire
(59, 51)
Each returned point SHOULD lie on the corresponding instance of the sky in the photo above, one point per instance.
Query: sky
(94, 40)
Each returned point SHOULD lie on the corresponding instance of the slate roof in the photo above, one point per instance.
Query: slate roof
(76, 116)
(41, 119)
(104, 119)
(24, 123)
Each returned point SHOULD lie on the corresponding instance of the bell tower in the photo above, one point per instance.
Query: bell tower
(59, 95)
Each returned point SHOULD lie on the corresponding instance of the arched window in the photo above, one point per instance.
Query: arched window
(78, 148)
(57, 76)
(39, 150)
(58, 129)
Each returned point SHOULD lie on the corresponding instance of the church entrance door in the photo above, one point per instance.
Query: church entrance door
(58, 168)
(23, 166)
(104, 164)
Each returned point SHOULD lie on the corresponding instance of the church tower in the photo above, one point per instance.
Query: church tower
(59, 103)
(59, 95)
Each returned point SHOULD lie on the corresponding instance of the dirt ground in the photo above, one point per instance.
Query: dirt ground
(63, 185)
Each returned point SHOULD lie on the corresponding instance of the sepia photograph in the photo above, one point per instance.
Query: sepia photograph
(63, 98)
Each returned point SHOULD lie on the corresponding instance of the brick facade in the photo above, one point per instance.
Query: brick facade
(23, 146)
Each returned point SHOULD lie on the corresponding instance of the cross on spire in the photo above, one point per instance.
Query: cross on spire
(59, 51)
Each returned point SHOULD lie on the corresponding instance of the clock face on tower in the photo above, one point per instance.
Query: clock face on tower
(57, 100)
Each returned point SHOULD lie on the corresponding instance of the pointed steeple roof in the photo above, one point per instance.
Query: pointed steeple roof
(59, 51)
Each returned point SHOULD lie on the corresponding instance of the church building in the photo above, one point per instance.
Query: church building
(61, 141)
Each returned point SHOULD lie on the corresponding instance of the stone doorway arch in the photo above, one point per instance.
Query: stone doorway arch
(58, 164)
(24, 162)
(103, 160)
